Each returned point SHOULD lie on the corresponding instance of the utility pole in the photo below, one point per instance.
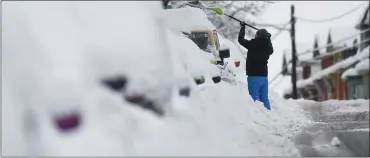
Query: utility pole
(294, 54)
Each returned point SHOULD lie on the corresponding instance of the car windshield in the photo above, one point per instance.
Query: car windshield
(202, 40)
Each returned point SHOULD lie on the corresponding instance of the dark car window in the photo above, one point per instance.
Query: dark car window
(201, 39)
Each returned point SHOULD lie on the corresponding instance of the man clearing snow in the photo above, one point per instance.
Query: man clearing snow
(259, 51)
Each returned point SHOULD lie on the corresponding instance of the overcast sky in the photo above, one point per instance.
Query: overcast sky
(279, 13)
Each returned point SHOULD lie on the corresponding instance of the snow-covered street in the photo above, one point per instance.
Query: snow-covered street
(340, 128)
(91, 79)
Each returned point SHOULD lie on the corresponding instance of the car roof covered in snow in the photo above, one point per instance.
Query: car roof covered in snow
(187, 19)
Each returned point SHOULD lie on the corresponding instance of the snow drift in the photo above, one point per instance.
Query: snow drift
(67, 48)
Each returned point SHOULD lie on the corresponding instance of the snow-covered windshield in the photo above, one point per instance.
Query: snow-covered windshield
(202, 40)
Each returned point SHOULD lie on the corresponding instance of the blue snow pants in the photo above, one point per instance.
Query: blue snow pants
(258, 89)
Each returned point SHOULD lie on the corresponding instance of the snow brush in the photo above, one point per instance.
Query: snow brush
(198, 4)
(220, 12)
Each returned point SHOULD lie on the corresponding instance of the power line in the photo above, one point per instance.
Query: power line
(276, 76)
(332, 18)
(280, 31)
(273, 26)
(332, 44)
(278, 83)
(319, 57)
(339, 50)
(280, 73)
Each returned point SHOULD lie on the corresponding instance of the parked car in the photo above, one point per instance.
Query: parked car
(193, 24)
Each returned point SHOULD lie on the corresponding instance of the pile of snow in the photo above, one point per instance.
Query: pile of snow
(66, 48)
(191, 19)
(335, 141)
(12, 133)
(230, 123)
(195, 61)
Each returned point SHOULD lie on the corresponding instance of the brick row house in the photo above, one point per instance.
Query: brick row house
(330, 73)
(357, 78)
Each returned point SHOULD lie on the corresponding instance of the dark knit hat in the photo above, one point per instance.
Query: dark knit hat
(263, 33)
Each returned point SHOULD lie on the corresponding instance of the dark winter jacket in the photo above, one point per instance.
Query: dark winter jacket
(259, 51)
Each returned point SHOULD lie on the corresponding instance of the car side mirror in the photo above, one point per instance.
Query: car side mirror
(224, 53)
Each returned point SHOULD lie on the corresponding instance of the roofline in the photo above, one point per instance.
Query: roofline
(364, 16)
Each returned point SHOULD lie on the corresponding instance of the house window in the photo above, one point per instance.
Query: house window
(358, 91)
(306, 72)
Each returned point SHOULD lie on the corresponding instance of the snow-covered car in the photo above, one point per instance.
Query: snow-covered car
(233, 70)
(62, 99)
(193, 23)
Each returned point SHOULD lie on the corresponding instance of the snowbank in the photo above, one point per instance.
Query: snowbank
(226, 121)
(187, 19)
(66, 48)
(12, 132)
(195, 60)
